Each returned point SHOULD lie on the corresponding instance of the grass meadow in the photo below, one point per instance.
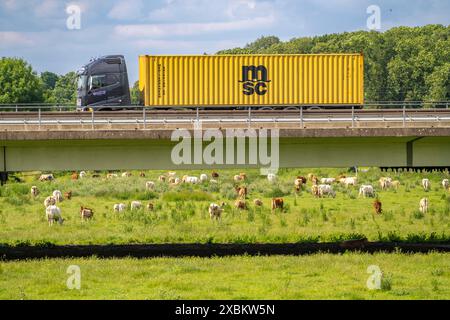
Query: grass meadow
(318, 276)
(181, 212)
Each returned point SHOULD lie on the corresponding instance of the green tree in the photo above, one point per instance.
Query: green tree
(135, 93)
(18, 82)
(49, 80)
(65, 91)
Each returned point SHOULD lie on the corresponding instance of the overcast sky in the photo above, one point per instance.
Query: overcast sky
(37, 29)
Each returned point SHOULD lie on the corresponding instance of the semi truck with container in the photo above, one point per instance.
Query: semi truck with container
(262, 81)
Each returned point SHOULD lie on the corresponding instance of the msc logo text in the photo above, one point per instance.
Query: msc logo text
(254, 80)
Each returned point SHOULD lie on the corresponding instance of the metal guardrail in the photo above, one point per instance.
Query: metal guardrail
(299, 118)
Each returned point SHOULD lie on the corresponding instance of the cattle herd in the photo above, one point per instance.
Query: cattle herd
(319, 188)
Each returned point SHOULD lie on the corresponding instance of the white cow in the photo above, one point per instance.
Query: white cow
(445, 184)
(327, 180)
(135, 205)
(34, 191)
(426, 184)
(188, 179)
(272, 178)
(53, 213)
(423, 205)
(326, 190)
(82, 174)
(349, 181)
(203, 177)
(215, 211)
(119, 207)
(58, 196)
(385, 182)
(46, 177)
(150, 185)
(49, 201)
(366, 190)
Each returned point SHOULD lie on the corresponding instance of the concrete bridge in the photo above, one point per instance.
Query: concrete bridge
(139, 148)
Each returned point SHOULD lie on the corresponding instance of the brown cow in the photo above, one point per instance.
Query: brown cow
(277, 203)
(74, 176)
(377, 206)
(215, 175)
(240, 204)
(298, 184)
(150, 206)
(315, 191)
(242, 192)
(86, 213)
(68, 195)
(258, 202)
(304, 180)
(142, 174)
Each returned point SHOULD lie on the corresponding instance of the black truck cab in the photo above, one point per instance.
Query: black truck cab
(102, 84)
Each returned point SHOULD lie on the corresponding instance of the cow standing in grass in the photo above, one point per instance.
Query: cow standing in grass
(34, 191)
(426, 184)
(86, 213)
(423, 205)
(277, 203)
(53, 213)
(377, 206)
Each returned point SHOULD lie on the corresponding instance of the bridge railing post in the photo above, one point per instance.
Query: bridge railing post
(404, 116)
(301, 117)
(249, 117)
(92, 119)
(144, 116)
(353, 116)
(39, 118)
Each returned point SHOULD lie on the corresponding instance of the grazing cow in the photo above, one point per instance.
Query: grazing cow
(68, 195)
(350, 181)
(135, 205)
(258, 202)
(385, 182)
(366, 190)
(272, 178)
(377, 206)
(188, 179)
(327, 180)
(142, 174)
(49, 201)
(240, 204)
(74, 176)
(242, 192)
(162, 178)
(53, 213)
(215, 211)
(34, 191)
(326, 190)
(58, 195)
(150, 206)
(86, 213)
(426, 184)
(203, 177)
(277, 203)
(304, 180)
(395, 184)
(240, 177)
(111, 175)
(298, 184)
(423, 205)
(315, 190)
(177, 181)
(171, 173)
(119, 207)
(445, 184)
(46, 177)
(82, 174)
(126, 174)
(214, 175)
(150, 185)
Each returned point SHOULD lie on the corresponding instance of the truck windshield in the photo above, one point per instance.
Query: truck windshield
(81, 83)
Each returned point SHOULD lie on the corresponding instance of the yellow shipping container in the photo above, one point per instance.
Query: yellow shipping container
(252, 80)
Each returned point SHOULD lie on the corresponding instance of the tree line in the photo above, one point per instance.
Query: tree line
(401, 64)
